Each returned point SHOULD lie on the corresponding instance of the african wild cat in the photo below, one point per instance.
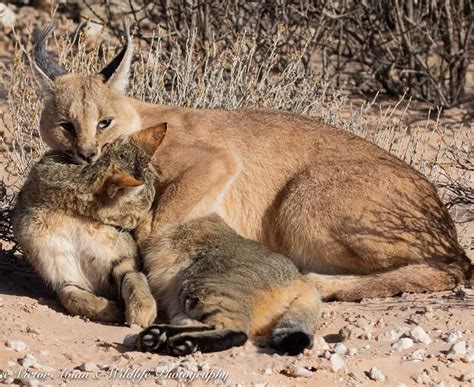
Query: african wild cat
(199, 271)
(202, 271)
(73, 221)
(361, 221)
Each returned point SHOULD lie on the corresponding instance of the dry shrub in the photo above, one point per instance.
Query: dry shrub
(220, 78)
(419, 47)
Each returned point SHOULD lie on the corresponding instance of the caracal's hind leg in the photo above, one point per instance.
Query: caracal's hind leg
(379, 238)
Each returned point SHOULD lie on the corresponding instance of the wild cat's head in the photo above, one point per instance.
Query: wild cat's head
(123, 178)
(84, 113)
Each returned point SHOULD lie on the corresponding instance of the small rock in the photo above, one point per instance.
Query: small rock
(376, 374)
(419, 354)
(88, 367)
(44, 352)
(337, 363)
(340, 348)
(9, 380)
(401, 385)
(16, 345)
(468, 358)
(130, 340)
(458, 349)
(402, 344)
(451, 336)
(467, 377)
(352, 351)
(438, 384)
(205, 367)
(296, 371)
(11, 363)
(320, 344)
(460, 292)
(28, 361)
(419, 335)
(422, 378)
(392, 335)
(30, 382)
(32, 330)
(43, 368)
(267, 371)
(351, 332)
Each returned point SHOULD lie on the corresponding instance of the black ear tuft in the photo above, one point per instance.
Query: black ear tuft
(116, 72)
(45, 66)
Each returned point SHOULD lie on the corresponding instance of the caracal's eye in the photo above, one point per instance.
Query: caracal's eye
(68, 127)
(104, 123)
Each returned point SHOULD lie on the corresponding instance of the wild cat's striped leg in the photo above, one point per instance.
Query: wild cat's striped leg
(81, 302)
(140, 306)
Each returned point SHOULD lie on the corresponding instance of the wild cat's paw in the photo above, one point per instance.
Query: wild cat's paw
(182, 345)
(141, 310)
(152, 339)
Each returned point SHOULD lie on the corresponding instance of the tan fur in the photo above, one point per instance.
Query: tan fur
(331, 201)
(66, 220)
(202, 271)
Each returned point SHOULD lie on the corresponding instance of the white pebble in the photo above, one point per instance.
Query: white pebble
(320, 344)
(88, 367)
(376, 374)
(28, 361)
(451, 336)
(352, 351)
(419, 335)
(402, 344)
(457, 349)
(422, 378)
(337, 363)
(340, 348)
(438, 384)
(16, 345)
(468, 358)
(419, 354)
(297, 371)
(392, 335)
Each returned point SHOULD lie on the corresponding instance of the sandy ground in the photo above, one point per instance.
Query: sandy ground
(58, 346)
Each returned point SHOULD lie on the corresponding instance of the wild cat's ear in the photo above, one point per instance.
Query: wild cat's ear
(46, 69)
(149, 139)
(124, 183)
(116, 73)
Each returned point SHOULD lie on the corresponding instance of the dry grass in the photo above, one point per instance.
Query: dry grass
(230, 79)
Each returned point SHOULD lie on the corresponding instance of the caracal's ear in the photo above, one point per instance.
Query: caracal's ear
(47, 69)
(116, 73)
(149, 139)
(123, 182)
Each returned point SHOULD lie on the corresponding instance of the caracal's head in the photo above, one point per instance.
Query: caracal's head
(84, 113)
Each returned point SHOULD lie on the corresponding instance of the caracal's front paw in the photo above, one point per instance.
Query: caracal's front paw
(141, 311)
